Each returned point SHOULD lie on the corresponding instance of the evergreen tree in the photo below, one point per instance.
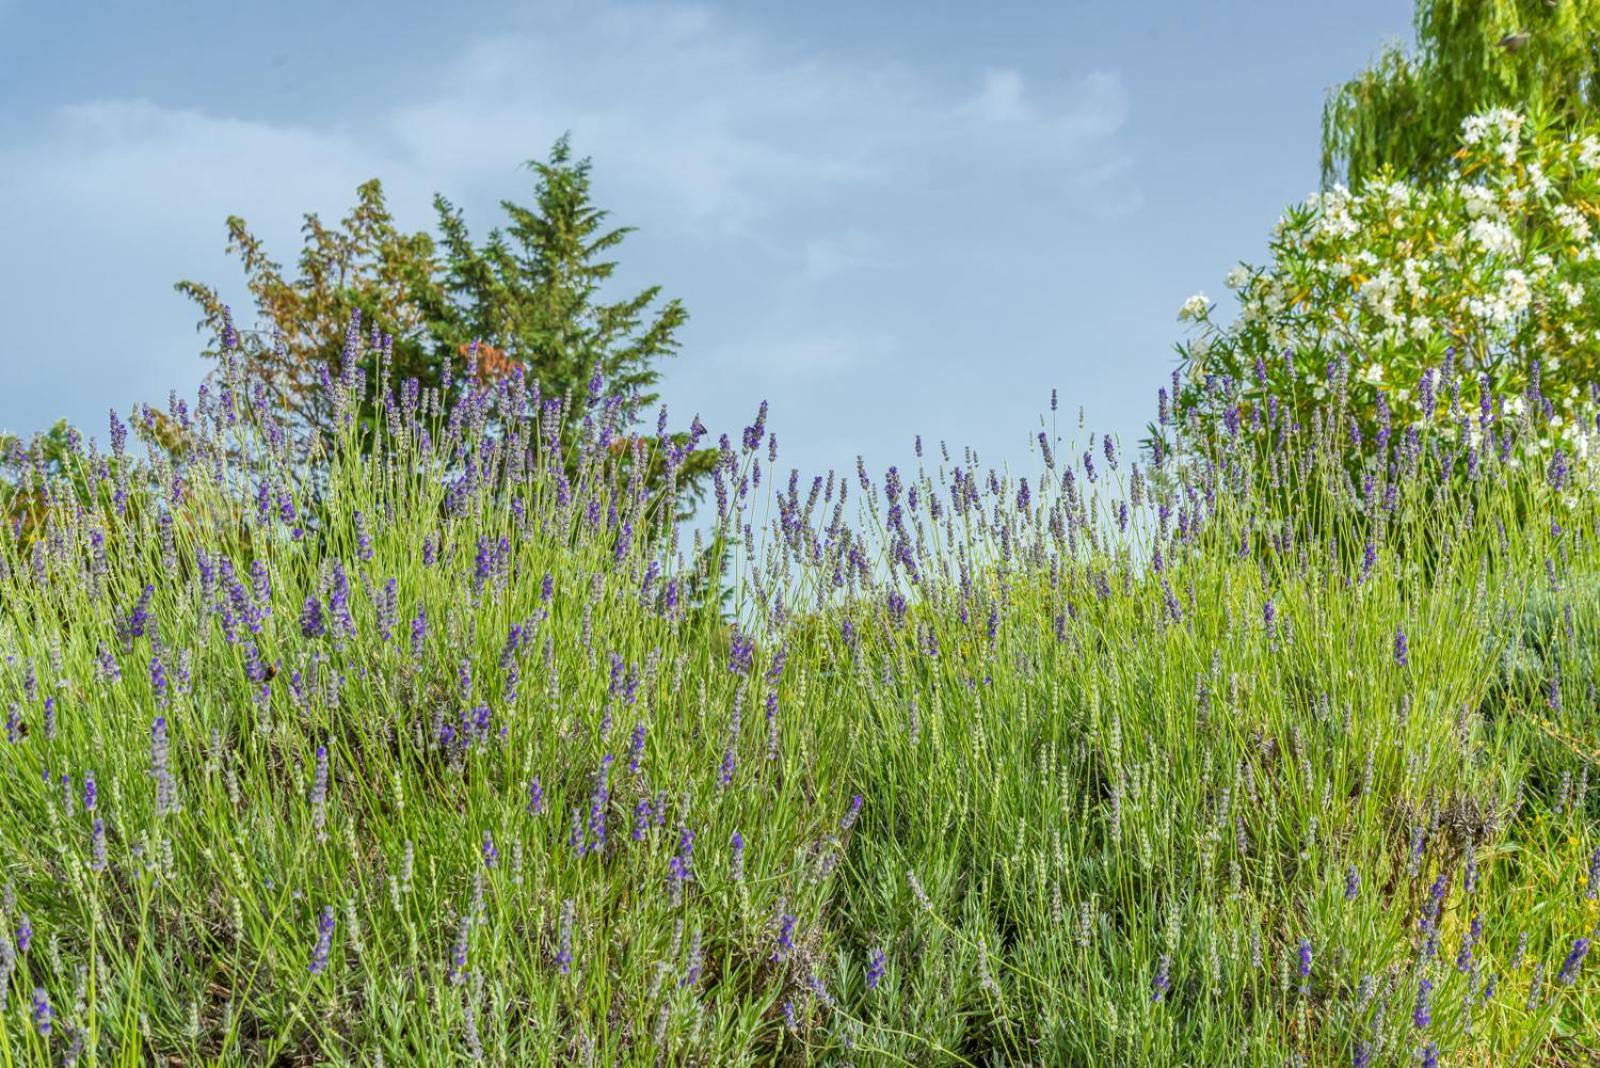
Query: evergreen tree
(531, 292)
(529, 298)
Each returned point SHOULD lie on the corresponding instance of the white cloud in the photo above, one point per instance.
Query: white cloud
(1000, 100)
(701, 131)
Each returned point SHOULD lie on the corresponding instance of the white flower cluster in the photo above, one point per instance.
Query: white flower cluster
(1499, 130)
(1194, 308)
(1589, 153)
(1493, 236)
(1497, 262)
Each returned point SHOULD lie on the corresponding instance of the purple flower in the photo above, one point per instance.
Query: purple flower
(158, 681)
(119, 434)
(97, 845)
(564, 953)
(108, 665)
(875, 969)
(419, 632)
(1430, 909)
(1422, 1011)
(91, 792)
(641, 819)
(736, 860)
(1352, 883)
(458, 955)
(160, 768)
(598, 803)
(491, 855)
(1569, 968)
(755, 432)
(535, 798)
(679, 870)
(483, 567)
(1361, 1055)
(1400, 648)
(786, 923)
(1558, 470)
(363, 538)
(319, 794)
(311, 623)
(1468, 942)
(319, 955)
(1430, 1055)
(1594, 876)
(139, 618)
(1305, 958)
(388, 609)
(339, 603)
(741, 652)
(42, 1013)
(24, 933)
(1163, 978)
(851, 815)
(636, 748)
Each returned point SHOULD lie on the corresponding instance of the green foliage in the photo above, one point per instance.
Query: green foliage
(28, 471)
(1417, 304)
(532, 290)
(1402, 114)
(528, 301)
(365, 789)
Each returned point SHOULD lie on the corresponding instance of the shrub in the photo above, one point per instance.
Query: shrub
(1425, 305)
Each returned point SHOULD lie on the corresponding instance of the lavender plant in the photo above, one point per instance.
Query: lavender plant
(1104, 762)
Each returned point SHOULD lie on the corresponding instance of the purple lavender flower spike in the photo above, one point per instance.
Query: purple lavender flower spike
(319, 954)
(42, 1013)
(1163, 979)
(1569, 968)
(852, 813)
(875, 969)
(1422, 1011)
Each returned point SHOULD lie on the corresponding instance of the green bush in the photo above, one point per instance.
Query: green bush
(1421, 305)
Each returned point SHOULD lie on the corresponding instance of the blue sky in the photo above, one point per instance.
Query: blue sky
(888, 219)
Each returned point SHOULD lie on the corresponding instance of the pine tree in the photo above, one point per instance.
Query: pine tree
(529, 298)
(532, 290)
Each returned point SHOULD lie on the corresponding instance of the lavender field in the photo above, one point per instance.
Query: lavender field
(418, 687)
(1230, 754)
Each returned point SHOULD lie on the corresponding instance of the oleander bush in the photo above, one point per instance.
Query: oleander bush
(1424, 304)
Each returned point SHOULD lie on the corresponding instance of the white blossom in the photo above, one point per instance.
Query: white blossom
(1194, 308)
(1493, 236)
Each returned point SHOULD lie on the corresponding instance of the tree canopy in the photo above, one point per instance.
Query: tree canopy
(1405, 111)
(528, 299)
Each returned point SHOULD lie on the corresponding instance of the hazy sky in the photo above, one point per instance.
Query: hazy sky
(888, 219)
